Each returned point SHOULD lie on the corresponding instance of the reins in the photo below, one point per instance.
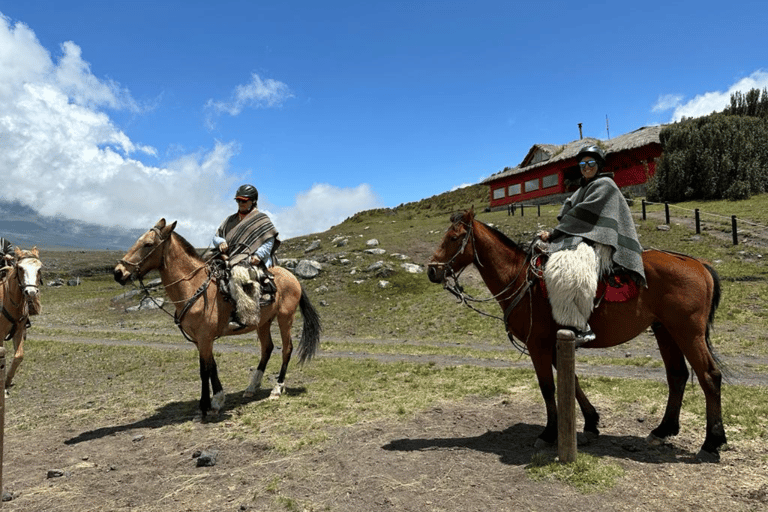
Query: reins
(22, 305)
(516, 297)
(178, 316)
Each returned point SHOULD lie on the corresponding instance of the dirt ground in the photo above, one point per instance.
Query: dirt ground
(466, 456)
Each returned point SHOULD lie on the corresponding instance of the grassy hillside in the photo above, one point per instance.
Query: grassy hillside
(355, 303)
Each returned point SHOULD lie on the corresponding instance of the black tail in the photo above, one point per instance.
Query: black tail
(310, 334)
(711, 321)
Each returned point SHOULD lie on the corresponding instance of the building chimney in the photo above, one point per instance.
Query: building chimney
(580, 135)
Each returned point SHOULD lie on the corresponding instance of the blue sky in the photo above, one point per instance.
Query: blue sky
(123, 112)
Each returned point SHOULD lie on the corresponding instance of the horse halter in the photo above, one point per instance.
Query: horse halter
(446, 266)
(138, 264)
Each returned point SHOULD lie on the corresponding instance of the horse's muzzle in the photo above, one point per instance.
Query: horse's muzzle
(436, 272)
(121, 275)
(32, 300)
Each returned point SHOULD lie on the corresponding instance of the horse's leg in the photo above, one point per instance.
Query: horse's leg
(677, 377)
(285, 322)
(543, 359)
(209, 374)
(18, 355)
(205, 395)
(591, 416)
(265, 339)
(697, 352)
(219, 397)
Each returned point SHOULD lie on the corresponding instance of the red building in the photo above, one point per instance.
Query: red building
(549, 171)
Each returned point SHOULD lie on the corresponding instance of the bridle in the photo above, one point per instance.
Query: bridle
(136, 265)
(516, 296)
(23, 306)
(200, 292)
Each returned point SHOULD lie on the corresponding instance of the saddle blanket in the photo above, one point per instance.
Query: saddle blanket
(616, 288)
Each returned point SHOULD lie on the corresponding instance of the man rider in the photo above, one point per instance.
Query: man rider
(249, 237)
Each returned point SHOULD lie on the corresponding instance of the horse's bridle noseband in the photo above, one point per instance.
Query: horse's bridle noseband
(138, 264)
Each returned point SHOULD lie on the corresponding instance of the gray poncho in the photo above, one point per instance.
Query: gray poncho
(599, 213)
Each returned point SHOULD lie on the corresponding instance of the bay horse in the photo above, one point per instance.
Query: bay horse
(679, 305)
(21, 277)
(203, 313)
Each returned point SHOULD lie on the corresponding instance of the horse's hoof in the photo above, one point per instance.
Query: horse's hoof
(278, 390)
(707, 457)
(654, 440)
(217, 403)
(541, 444)
(587, 437)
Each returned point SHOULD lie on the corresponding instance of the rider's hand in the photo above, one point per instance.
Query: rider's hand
(223, 247)
(544, 235)
(255, 261)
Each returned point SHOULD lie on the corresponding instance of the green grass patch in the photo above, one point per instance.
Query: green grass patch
(588, 474)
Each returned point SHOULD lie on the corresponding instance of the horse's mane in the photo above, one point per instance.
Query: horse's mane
(459, 217)
(187, 247)
(502, 237)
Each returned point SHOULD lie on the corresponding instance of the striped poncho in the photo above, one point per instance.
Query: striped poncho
(599, 213)
(245, 236)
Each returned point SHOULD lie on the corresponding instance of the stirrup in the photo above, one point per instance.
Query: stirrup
(583, 337)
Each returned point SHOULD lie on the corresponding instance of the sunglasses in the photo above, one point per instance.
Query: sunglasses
(590, 163)
(242, 200)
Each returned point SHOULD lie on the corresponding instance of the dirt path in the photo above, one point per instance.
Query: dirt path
(453, 457)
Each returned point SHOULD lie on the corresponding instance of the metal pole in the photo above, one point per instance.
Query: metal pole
(538, 207)
(566, 395)
(733, 229)
(522, 210)
(644, 217)
(666, 211)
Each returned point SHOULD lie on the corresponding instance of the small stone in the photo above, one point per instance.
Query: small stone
(207, 458)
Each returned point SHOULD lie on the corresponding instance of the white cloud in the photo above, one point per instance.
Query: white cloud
(257, 94)
(667, 102)
(705, 104)
(61, 155)
(322, 207)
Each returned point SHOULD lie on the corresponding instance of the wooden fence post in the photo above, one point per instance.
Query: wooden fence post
(2, 417)
(538, 207)
(522, 210)
(644, 216)
(566, 395)
(733, 230)
(698, 221)
(666, 211)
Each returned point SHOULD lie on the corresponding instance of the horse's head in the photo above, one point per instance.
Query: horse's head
(456, 251)
(146, 254)
(29, 274)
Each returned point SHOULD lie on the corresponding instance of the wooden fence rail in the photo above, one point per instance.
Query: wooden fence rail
(521, 207)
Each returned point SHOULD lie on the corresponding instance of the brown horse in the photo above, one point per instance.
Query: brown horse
(679, 304)
(20, 298)
(203, 314)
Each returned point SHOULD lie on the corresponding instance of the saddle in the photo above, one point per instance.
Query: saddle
(616, 287)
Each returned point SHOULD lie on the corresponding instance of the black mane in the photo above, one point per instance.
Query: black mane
(502, 237)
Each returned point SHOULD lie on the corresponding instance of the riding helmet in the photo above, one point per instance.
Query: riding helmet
(594, 151)
(247, 192)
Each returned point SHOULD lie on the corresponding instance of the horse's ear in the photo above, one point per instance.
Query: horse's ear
(471, 212)
(167, 230)
(160, 224)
